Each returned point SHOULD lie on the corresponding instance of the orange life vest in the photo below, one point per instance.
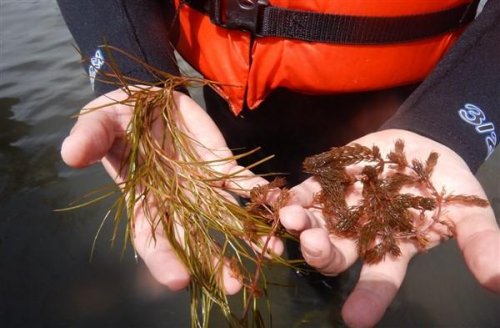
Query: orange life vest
(249, 67)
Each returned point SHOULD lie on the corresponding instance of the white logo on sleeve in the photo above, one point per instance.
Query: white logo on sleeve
(96, 63)
(475, 116)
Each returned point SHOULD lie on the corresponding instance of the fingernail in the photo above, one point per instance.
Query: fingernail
(311, 253)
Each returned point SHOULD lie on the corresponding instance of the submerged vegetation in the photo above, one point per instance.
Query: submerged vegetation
(384, 215)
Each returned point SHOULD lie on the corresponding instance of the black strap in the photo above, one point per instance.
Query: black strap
(268, 21)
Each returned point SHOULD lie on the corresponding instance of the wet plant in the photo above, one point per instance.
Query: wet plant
(188, 201)
(384, 215)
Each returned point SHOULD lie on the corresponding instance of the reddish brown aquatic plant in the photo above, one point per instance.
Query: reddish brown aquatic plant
(384, 215)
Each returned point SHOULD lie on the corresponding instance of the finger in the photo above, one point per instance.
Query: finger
(232, 284)
(89, 140)
(296, 219)
(376, 288)
(478, 237)
(153, 246)
(303, 194)
(158, 255)
(328, 254)
(274, 246)
(482, 255)
(241, 182)
(296, 216)
(96, 129)
(161, 259)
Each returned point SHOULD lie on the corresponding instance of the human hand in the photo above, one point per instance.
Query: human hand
(476, 230)
(99, 135)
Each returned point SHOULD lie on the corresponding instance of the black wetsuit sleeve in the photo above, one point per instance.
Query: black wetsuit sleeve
(458, 105)
(138, 27)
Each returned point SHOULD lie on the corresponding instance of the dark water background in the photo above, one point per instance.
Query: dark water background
(46, 279)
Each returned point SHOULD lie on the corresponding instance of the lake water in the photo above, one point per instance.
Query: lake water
(46, 279)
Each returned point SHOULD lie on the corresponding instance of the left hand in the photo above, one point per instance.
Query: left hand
(477, 232)
(100, 135)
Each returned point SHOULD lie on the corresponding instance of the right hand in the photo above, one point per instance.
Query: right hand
(100, 136)
(476, 230)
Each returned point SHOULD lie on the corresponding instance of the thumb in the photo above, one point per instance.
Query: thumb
(482, 255)
(89, 140)
(102, 121)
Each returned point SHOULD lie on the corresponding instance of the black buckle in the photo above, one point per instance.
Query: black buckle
(238, 14)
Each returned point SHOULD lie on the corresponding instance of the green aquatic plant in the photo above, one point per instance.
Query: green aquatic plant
(186, 199)
(384, 215)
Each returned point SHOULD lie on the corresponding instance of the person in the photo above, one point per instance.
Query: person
(454, 111)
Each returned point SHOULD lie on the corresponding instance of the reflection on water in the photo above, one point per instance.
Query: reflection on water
(22, 169)
(46, 279)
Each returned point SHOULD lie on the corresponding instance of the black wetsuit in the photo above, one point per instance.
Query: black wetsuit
(457, 105)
